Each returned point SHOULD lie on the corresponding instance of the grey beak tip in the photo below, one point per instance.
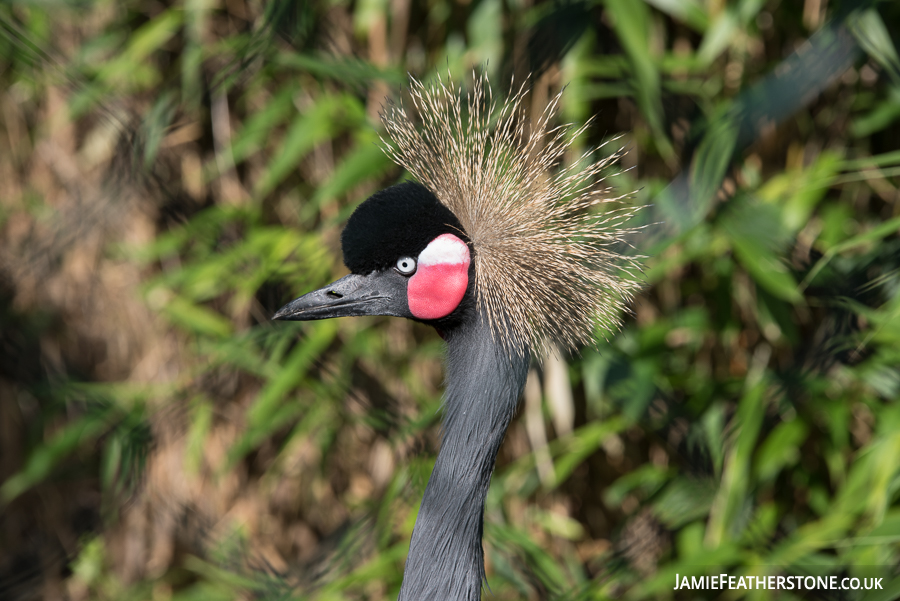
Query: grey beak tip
(351, 295)
(285, 312)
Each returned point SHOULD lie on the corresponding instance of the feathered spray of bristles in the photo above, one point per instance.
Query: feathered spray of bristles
(546, 268)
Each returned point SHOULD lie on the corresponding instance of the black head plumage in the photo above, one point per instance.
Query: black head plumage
(395, 222)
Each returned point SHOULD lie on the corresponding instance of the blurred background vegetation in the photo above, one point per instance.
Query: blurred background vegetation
(172, 172)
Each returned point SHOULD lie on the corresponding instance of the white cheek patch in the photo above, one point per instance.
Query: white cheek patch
(445, 249)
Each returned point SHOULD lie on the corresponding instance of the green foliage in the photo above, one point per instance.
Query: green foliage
(745, 421)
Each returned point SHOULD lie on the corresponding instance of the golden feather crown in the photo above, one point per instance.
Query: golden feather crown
(547, 271)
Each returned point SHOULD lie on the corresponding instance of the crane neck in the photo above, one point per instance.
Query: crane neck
(484, 381)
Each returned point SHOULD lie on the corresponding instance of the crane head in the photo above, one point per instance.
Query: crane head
(408, 256)
(498, 202)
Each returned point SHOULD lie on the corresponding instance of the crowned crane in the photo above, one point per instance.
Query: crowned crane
(494, 246)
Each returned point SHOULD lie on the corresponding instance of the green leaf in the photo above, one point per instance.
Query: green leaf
(690, 12)
(255, 132)
(646, 479)
(684, 500)
(631, 21)
(711, 160)
(196, 318)
(200, 424)
(129, 66)
(797, 548)
(798, 192)
(756, 234)
(345, 70)
(485, 30)
(364, 161)
(719, 35)
(44, 459)
(322, 121)
(269, 412)
(871, 236)
(781, 449)
(879, 118)
(872, 34)
(728, 506)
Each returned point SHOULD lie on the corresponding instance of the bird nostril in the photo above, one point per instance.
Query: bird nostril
(334, 294)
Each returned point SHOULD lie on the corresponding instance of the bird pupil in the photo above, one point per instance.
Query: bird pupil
(406, 265)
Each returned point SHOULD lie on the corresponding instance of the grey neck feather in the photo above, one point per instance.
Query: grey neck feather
(446, 560)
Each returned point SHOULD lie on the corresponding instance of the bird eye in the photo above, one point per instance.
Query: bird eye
(406, 265)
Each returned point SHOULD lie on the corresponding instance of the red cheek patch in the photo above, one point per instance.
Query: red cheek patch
(441, 278)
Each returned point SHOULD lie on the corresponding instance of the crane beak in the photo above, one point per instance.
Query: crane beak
(379, 293)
